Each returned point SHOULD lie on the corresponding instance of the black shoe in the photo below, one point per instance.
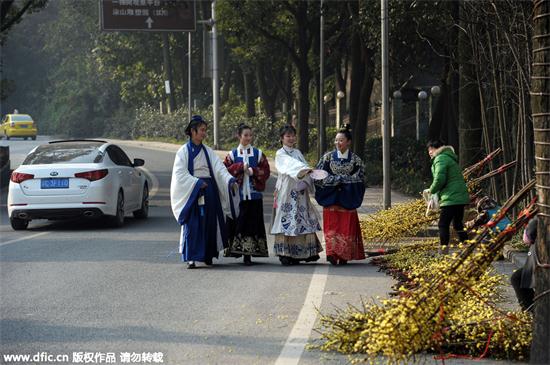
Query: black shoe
(208, 262)
(247, 260)
(191, 265)
(312, 258)
(286, 261)
(342, 262)
(332, 260)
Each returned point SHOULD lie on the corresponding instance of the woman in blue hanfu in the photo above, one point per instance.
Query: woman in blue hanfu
(295, 219)
(201, 194)
(340, 194)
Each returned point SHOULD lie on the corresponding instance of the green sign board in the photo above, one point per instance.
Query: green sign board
(148, 15)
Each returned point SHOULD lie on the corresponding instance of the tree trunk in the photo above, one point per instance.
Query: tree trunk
(485, 128)
(451, 125)
(303, 107)
(304, 73)
(357, 77)
(249, 94)
(268, 97)
(540, 104)
(469, 124)
(226, 77)
(288, 93)
(359, 129)
(443, 125)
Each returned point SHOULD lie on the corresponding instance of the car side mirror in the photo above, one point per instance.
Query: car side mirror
(139, 162)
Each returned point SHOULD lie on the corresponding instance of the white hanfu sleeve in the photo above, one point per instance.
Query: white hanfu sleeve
(287, 165)
(184, 187)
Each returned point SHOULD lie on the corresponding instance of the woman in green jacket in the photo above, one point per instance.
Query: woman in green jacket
(448, 183)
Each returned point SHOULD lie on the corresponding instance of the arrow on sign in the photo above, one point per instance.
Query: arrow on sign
(149, 21)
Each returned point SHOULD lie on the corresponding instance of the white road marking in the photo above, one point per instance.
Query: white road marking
(299, 336)
(24, 238)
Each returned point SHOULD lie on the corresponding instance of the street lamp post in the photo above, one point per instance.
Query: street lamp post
(396, 113)
(420, 113)
(386, 130)
(339, 96)
(435, 91)
(322, 121)
(323, 143)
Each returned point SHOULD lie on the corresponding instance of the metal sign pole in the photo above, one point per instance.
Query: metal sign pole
(215, 80)
(189, 77)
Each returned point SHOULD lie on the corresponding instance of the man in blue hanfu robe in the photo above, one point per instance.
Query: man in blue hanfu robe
(202, 195)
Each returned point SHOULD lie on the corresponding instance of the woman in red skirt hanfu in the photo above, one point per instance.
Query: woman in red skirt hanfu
(340, 194)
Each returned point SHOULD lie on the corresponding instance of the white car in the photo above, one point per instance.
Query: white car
(77, 178)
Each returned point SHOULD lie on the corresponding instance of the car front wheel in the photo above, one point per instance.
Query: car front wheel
(118, 219)
(143, 211)
(19, 224)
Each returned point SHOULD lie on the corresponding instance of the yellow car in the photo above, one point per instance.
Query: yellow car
(18, 125)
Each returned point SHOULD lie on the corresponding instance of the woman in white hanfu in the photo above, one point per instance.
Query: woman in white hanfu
(201, 195)
(295, 220)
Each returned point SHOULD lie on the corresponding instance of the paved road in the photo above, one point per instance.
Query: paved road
(80, 287)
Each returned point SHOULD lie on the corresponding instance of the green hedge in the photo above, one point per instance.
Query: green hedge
(410, 163)
(148, 123)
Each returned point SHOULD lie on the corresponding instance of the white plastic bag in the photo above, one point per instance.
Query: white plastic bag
(432, 201)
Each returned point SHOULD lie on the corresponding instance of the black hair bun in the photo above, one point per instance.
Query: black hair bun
(346, 131)
(346, 128)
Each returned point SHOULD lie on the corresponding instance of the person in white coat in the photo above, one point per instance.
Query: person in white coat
(295, 219)
(201, 197)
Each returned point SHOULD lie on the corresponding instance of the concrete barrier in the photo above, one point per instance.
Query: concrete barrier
(5, 170)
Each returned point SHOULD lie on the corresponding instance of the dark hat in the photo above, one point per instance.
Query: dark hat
(195, 121)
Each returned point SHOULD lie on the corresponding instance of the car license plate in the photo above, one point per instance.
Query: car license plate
(54, 183)
(23, 126)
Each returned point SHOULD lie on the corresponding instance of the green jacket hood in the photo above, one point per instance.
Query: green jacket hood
(446, 150)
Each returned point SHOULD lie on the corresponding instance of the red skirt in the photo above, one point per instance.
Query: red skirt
(343, 233)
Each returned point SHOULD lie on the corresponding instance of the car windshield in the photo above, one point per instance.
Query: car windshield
(21, 118)
(69, 153)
